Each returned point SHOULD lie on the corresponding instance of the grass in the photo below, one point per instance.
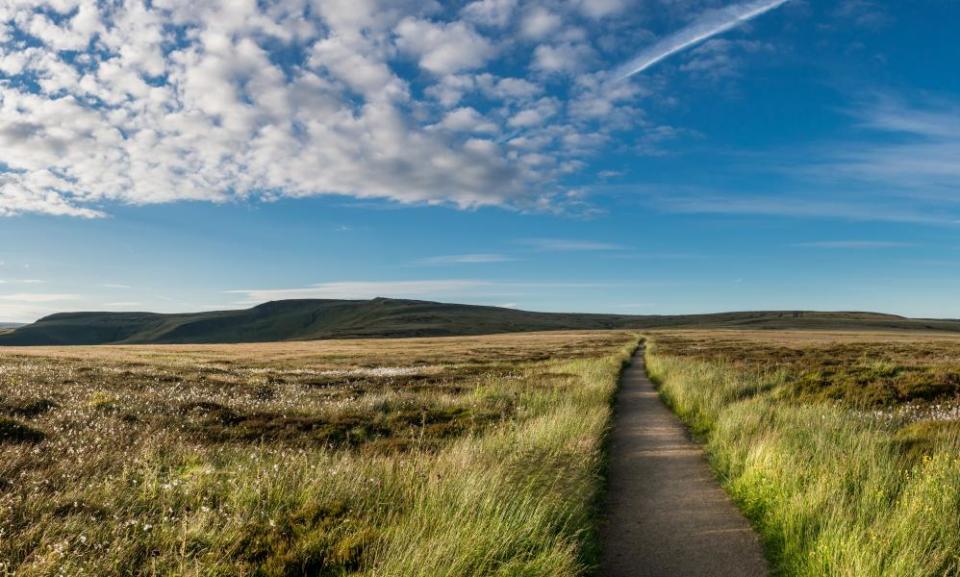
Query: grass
(420, 457)
(844, 450)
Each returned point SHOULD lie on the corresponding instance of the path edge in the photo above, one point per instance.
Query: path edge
(769, 549)
(598, 507)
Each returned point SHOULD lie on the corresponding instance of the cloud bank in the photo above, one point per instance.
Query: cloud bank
(145, 102)
(854, 244)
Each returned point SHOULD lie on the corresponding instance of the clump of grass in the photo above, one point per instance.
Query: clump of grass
(102, 401)
(834, 490)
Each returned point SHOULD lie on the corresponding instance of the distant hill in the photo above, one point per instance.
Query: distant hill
(8, 327)
(325, 319)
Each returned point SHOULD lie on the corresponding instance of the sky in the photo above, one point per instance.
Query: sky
(623, 156)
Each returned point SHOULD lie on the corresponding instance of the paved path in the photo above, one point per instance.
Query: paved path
(666, 514)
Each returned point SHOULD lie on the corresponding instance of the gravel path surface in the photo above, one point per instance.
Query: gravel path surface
(666, 513)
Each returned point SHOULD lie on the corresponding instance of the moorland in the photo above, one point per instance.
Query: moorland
(474, 455)
(420, 457)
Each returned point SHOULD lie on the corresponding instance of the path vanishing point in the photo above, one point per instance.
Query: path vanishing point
(666, 513)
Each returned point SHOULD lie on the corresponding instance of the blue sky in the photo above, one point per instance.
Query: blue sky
(628, 156)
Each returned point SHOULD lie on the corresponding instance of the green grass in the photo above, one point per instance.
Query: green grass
(833, 488)
(442, 457)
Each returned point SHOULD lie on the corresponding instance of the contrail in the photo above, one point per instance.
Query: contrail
(707, 26)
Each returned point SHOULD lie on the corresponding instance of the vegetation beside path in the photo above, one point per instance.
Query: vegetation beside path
(421, 457)
(844, 450)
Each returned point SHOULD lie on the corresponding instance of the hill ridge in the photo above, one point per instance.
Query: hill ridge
(312, 319)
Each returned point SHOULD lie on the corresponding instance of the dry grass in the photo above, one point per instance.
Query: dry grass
(457, 456)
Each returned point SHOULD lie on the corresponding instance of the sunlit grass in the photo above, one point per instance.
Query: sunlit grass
(833, 488)
(476, 456)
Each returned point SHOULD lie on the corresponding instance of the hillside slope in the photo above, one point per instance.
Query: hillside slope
(322, 319)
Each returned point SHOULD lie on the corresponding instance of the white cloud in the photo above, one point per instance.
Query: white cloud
(362, 73)
(461, 290)
(536, 114)
(601, 8)
(853, 244)
(538, 22)
(803, 206)
(902, 169)
(466, 259)
(26, 307)
(706, 26)
(490, 12)
(719, 58)
(165, 101)
(466, 119)
(562, 57)
(864, 13)
(931, 120)
(367, 290)
(74, 35)
(569, 245)
(508, 88)
(450, 89)
(221, 102)
(444, 48)
(37, 297)
(29, 281)
(921, 159)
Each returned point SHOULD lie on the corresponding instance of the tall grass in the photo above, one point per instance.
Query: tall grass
(517, 502)
(511, 497)
(833, 491)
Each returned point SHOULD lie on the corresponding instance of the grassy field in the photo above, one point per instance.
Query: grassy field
(433, 457)
(843, 448)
